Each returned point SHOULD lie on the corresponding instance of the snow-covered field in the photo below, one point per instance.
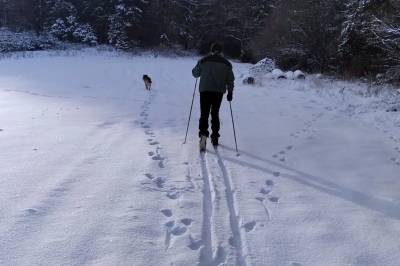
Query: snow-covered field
(93, 170)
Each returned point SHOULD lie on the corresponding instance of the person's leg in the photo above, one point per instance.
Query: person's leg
(215, 123)
(205, 105)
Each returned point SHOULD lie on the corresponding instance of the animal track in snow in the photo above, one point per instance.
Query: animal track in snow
(159, 181)
(250, 226)
(31, 212)
(157, 158)
(174, 229)
(269, 183)
(173, 195)
(265, 191)
(276, 174)
(187, 221)
(273, 199)
(151, 153)
(195, 244)
(281, 154)
(178, 230)
(167, 212)
(154, 143)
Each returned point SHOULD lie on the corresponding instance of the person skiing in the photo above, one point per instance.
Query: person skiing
(216, 78)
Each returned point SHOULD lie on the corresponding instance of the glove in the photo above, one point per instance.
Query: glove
(229, 97)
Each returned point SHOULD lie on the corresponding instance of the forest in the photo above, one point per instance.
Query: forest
(349, 38)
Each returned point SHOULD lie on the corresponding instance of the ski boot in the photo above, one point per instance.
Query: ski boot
(203, 143)
(214, 142)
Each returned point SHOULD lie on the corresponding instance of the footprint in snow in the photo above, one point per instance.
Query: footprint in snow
(289, 147)
(269, 183)
(170, 224)
(250, 226)
(276, 174)
(149, 176)
(159, 182)
(1, 130)
(187, 221)
(157, 158)
(274, 199)
(195, 244)
(31, 211)
(265, 191)
(173, 195)
(167, 213)
(154, 143)
(151, 153)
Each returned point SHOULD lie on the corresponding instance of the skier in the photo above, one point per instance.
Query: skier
(216, 77)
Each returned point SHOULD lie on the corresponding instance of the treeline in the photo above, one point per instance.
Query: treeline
(350, 37)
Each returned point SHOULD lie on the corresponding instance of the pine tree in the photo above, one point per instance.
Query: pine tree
(125, 23)
(370, 39)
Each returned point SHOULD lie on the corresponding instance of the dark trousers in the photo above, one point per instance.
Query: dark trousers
(210, 102)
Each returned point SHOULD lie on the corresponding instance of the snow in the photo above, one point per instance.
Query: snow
(289, 75)
(298, 74)
(93, 170)
(278, 74)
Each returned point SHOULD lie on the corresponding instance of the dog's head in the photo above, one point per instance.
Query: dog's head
(145, 77)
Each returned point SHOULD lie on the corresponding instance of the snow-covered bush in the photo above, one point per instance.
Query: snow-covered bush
(289, 75)
(70, 30)
(278, 74)
(85, 34)
(298, 74)
(264, 66)
(117, 35)
(24, 41)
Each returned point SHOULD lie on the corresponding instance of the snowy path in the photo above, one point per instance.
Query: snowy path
(93, 170)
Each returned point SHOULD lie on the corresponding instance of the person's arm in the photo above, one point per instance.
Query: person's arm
(197, 70)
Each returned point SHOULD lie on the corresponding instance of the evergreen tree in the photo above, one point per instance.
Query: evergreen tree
(370, 40)
(125, 23)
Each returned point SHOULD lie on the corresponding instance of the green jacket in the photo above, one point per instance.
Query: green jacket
(216, 74)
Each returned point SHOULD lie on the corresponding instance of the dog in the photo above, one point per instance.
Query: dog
(147, 82)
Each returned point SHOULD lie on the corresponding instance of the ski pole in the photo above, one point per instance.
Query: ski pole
(234, 130)
(190, 113)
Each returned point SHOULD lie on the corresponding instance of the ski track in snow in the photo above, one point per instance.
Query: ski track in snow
(238, 239)
(214, 252)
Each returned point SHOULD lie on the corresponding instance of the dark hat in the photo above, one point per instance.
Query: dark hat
(216, 48)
